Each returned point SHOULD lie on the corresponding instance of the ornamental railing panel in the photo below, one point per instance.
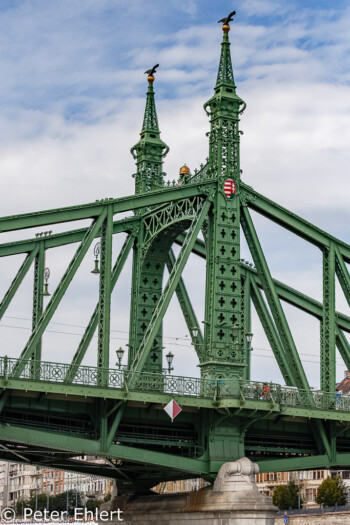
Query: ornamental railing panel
(221, 389)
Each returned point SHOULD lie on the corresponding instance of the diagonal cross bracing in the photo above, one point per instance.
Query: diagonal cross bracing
(17, 280)
(273, 300)
(343, 347)
(164, 300)
(342, 274)
(271, 334)
(292, 222)
(186, 306)
(59, 292)
(90, 329)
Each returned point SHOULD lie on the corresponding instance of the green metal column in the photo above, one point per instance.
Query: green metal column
(225, 350)
(246, 318)
(328, 326)
(147, 281)
(105, 297)
(38, 287)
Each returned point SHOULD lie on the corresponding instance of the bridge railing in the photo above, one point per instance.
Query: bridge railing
(272, 393)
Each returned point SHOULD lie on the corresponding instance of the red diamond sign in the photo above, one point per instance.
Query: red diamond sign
(172, 409)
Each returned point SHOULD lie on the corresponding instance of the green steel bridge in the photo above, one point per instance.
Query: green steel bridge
(52, 413)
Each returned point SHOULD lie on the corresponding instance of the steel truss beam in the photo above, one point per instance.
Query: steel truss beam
(91, 327)
(321, 438)
(38, 299)
(95, 209)
(271, 333)
(58, 461)
(292, 356)
(247, 317)
(328, 327)
(60, 291)
(115, 425)
(284, 292)
(186, 306)
(79, 446)
(343, 347)
(164, 300)
(342, 274)
(292, 222)
(127, 225)
(104, 303)
(244, 405)
(17, 280)
(341, 460)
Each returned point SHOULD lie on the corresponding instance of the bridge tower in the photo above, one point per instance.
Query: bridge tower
(225, 353)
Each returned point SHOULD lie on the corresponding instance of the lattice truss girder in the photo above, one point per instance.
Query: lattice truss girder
(181, 220)
(165, 219)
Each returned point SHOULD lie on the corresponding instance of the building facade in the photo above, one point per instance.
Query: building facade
(20, 481)
(308, 481)
(52, 482)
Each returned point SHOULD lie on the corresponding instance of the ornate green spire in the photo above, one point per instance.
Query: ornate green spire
(225, 72)
(150, 149)
(225, 108)
(150, 120)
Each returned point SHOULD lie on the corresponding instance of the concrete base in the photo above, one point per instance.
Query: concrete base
(233, 500)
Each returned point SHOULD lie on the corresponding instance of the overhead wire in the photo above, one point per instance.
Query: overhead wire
(185, 338)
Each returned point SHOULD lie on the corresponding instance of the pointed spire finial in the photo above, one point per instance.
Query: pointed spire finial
(225, 72)
(150, 149)
(150, 120)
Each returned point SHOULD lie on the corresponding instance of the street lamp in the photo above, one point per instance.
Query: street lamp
(46, 284)
(97, 251)
(249, 337)
(195, 332)
(169, 358)
(120, 353)
(235, 331)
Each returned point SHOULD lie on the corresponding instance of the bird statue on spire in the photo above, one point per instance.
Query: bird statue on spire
(150, 73)
(228, 19)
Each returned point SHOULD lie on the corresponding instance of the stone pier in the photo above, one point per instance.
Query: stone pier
(233, 500)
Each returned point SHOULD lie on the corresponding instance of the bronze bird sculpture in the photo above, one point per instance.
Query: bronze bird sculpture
(151, 71)
(228, 19)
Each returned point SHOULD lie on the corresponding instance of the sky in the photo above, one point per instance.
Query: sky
(72, 96)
